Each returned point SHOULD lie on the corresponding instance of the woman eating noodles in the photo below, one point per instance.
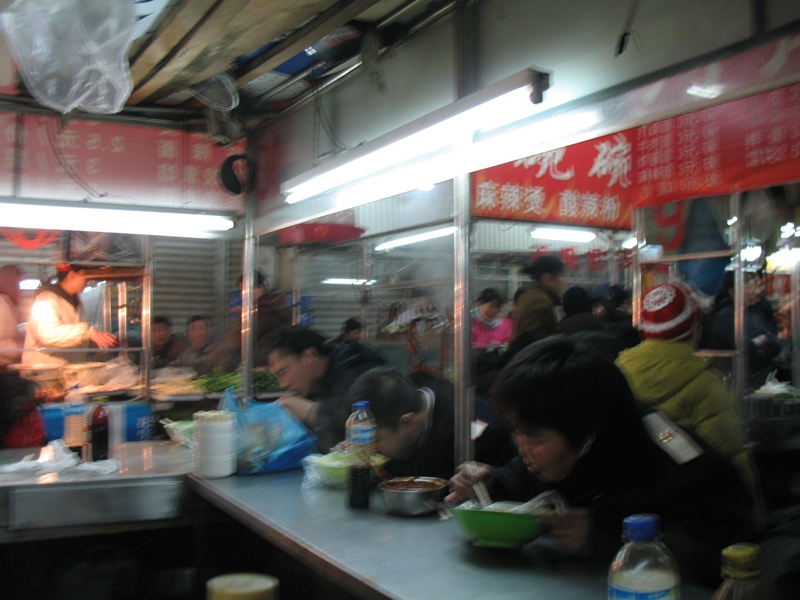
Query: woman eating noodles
(580, 432)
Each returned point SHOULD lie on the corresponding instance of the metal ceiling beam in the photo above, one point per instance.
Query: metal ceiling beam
(353, 65)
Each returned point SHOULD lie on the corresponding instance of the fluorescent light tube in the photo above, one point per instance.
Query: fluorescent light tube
(704, 91)
(496, 105)
(563, 235)
(335, 281)
(29, 284)
(630, 243)
(413, 239)
(111, 218)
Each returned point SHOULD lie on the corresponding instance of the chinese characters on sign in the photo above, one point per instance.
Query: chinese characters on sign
(124, 163)
(581, 185)
(744, 144)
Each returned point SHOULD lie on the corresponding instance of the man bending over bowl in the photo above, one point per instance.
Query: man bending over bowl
(579, 431)
(317, 374)
(415, 422)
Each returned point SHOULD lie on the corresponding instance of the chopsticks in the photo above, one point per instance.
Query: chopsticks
(479, 487)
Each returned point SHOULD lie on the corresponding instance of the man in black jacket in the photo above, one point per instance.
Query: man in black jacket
(317, 375)
(415, 418)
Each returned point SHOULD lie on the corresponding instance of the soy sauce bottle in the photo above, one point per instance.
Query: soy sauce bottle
(100, 431)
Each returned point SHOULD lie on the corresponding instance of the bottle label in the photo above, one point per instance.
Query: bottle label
(615, 593)
(362, 435)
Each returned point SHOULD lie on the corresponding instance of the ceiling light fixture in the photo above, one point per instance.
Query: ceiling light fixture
(630, 243)
(563, 235)
(30, 213)
(704, 91)
(336, 281)
(29, 284)
(431, 136)
(413, 239)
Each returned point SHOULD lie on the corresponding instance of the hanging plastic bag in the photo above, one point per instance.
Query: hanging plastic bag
(270, 437)
(73, 54)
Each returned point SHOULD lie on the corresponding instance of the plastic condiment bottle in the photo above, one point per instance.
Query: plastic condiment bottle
(75, 425)
(741, 568)
(361, 437)
(100, 431)
(644, 568)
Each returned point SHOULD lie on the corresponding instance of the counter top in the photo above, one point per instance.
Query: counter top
(148, 486)
(374, 555)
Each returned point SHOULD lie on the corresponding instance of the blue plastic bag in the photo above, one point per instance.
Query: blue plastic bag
(270, 437)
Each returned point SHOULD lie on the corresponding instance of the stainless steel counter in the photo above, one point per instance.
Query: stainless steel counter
(148, 486)
(374, 555)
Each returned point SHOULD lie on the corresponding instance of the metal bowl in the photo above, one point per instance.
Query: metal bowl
(412, 496)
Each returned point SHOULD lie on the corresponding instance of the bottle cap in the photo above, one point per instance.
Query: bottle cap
(741, 561)
(641, 527)
(361, 405)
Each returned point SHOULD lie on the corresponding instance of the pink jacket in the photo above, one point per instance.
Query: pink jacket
(499, 336)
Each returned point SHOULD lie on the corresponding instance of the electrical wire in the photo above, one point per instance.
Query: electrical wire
(324, 121)
(627, 29)
(52, 139)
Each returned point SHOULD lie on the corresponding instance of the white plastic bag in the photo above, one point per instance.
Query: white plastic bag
(73, 54)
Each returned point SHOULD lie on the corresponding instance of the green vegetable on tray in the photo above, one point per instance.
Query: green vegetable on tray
(264, 381)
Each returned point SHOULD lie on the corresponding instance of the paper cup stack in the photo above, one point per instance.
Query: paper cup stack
(215, 443)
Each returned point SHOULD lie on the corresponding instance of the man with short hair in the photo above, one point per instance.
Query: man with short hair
(535, 310)
(55, 320)
(167, 346)
(415, 423)
(204, 355)
(317, 376)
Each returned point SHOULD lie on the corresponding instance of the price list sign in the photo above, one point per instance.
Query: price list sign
(745, 144)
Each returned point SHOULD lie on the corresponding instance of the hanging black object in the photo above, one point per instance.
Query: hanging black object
(233, 181)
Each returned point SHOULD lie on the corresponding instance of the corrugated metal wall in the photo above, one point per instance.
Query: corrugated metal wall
(194, 276)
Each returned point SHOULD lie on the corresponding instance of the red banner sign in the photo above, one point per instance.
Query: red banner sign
(121, 163)
(745, 144)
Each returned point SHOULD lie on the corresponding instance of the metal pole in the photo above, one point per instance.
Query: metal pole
(147, 303)
(795, 311)
(249, 310)
(740, 330)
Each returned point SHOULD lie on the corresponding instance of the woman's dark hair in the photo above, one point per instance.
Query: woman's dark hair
(390, 395)
(576, 300)
(615, 297)
(546, 264)
(490, 295)
(556, 383)
(351, 325)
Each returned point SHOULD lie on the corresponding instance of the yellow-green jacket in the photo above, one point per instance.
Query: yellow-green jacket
(689, 390)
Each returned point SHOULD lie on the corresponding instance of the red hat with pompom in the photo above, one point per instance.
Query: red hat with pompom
(669, 312)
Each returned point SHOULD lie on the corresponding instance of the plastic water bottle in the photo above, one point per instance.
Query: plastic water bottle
(361, 437)
(644, 568)
(100, 431)
(741, 568)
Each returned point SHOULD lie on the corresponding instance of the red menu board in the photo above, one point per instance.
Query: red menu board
(583, 184)
(126, 164)
(744, 144)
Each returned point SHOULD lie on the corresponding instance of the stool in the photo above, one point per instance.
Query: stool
(242, 586)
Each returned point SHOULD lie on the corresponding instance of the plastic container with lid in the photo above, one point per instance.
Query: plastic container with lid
(741, 568)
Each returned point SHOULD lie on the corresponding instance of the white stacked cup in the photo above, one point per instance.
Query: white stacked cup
(215, 443)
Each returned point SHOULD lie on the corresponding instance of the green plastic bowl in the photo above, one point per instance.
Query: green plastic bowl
(332, 468)
(496, 529)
